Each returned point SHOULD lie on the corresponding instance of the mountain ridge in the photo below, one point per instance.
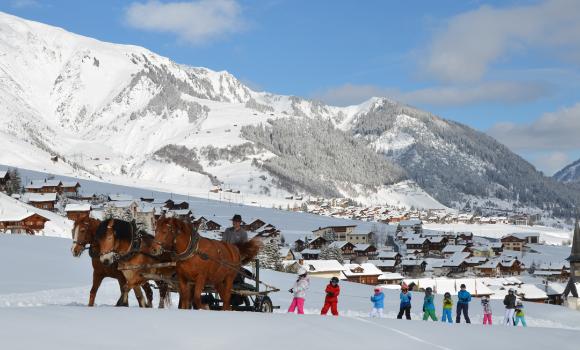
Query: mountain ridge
(115, 110)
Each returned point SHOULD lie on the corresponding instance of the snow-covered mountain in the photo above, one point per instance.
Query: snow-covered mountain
(570, 173)
(125, 114)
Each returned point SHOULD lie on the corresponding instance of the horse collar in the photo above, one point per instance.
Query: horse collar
(191, 249)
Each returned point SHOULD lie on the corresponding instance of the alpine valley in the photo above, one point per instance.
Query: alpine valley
(123, 114)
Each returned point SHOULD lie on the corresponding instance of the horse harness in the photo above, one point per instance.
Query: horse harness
(134, 248)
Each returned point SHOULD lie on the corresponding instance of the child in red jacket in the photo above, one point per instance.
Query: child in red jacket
(331, 299)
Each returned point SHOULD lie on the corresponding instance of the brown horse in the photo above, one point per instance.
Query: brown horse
(122, 244)
(200, 260)
(84, 234)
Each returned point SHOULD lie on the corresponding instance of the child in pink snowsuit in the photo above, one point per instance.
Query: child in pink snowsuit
(486, 310)
(299, 291)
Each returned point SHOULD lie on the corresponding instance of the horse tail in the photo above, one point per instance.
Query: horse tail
(249, 250)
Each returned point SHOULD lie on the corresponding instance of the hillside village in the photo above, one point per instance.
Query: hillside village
(408, 252)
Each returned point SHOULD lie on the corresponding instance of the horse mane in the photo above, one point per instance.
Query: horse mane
(122, 230)
(249, 250)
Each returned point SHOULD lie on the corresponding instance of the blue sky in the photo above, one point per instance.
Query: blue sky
(509, 68)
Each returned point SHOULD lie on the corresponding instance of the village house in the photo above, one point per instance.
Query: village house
(436, 244)
(299, 245)
(145, 216)
(385, 265)
(70, 188)
(359, 238)
(513, 242)
(211, 225)
(29, 223)
(323, 268)
(346, 248)
(310, 254)
(449, 250)
(334, 233)
(418, 243)
(384, 255)
(413, 267)
(76, 211)
(254, 225)
(287, 254)
(496, 247)
(489, 269)
(365, 250)
(482, 251)
(553, 272)
(44, 186)
(510, 267)
(391, 278)
(171, 205)
(412, 225)
(4, 179)
(317, 243)
(362, 273)
(46, 201)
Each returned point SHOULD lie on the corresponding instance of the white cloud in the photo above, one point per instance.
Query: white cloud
(472, 41)
(458, 95)
(557, 131)
(194, 22)
(551, 162)
(24, 3)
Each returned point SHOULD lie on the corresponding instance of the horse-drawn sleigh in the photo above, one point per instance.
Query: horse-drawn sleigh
(206, 273)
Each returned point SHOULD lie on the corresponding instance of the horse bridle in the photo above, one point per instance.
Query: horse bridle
(84, 244)
(187, 253)
(133, 248)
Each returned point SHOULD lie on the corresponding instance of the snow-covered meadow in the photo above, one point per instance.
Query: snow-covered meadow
(44, 291)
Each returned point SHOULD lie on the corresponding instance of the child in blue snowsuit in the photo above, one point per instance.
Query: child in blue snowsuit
(378, 300)
(463, 299)
(405, 306)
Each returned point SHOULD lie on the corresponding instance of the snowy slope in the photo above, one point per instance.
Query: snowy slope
(57, 226)
(547, 234)
(124, 114)
(42, 304)
(570, 173)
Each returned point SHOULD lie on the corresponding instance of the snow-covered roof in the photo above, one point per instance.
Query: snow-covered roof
(387, 255)
(323, 266)
(389, 276)
(3, 173)
(368, 269)
(120, 197)
(362, 247)
(310, 251)
(383, 263)
(70, 183)
(41, 197)
(77, 207)
(453, 248)
(411, 222)
(121, 204)
(338, 244)
(416, 240)
(530, 291)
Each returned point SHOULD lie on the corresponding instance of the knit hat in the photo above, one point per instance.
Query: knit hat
(302, 271)
(404, 286)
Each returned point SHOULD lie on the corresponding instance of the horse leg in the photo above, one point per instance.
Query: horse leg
(164, 294)
(148, 294)
(122, 296)
(139, 295)
(199, 285)
(226, 293)
(184, 294)
(97, 279)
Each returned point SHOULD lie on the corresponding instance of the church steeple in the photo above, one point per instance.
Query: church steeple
(575, 252)
(574, 260)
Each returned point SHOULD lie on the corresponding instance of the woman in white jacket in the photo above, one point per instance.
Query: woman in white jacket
(299, 290)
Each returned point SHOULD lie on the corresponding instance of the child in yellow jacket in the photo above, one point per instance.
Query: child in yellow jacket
(447, 307)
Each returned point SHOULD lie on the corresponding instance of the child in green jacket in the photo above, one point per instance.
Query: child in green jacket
(520, 314)
(447, 307)
(428, 305)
